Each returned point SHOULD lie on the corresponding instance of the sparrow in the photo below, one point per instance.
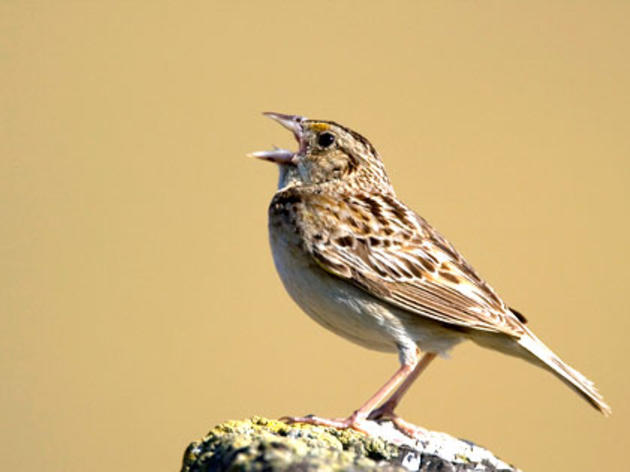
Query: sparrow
(364, 265)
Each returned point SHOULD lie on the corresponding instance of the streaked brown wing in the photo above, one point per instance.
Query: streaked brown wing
(414, 268)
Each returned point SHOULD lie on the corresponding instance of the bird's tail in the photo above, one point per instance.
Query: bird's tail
(543, 356)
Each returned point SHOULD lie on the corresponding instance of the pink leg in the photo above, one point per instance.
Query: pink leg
(358, 419)
(386, 411)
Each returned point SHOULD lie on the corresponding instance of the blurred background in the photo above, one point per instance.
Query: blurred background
(139, 303)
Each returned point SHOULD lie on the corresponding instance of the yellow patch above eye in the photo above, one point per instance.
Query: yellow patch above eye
(320, 127)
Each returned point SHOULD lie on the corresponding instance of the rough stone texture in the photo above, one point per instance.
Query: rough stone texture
(260, 444)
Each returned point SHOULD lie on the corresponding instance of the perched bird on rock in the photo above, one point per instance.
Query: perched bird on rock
(363, 264)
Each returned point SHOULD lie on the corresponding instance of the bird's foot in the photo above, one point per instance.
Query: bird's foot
(354, 421)
(387, 414)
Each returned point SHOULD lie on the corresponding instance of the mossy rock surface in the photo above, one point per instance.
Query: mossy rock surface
(260, 444)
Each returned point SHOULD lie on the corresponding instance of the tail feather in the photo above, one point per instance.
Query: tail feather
(544, 357)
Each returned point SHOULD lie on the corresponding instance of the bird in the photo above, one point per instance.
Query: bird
(364, 265)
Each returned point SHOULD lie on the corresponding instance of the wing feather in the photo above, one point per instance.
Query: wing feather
(411, 266)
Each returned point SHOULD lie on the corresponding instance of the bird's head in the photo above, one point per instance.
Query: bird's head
(327, 153)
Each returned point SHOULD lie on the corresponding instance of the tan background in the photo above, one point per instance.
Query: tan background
(139, 304)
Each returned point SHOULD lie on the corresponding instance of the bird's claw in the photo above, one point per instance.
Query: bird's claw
(387, 414)
(352, 422)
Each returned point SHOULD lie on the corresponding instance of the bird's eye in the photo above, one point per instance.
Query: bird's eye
(325, 139)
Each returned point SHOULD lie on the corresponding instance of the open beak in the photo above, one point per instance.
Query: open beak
(277, 155)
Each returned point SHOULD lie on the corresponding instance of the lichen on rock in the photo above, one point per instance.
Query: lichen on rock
(260, 444)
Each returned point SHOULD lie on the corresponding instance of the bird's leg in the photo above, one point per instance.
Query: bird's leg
(389, 406)
(359, 419)
(386, 411)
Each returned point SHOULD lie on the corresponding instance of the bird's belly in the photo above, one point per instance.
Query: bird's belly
(349, 311)
(332, 302)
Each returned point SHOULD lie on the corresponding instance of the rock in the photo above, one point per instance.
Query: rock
(260, 444)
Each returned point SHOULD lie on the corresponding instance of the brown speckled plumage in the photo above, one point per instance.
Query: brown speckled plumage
(363, 264)
(378, 243)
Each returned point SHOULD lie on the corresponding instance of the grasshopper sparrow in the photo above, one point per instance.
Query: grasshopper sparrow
(364, 265)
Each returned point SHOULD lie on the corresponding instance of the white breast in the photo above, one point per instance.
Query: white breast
(349, 311)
